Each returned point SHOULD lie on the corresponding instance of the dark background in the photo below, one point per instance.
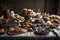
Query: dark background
(17, 5)
(58, 8)
(50, 6)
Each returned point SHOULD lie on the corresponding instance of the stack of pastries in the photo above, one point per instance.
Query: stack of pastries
(28, 26)
(53, 21)
(16, 30)
(24, 19)
(27, 13)
(19, 18)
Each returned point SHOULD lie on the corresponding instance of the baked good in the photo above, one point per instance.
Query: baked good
(2, 31)
(27, 13)
(15, 30)
(53, 25)
(22, 30)
(55, 21)
(31, 13)
(27, 25)
(5, 21)
(46, 18)
(19, 18)
(11, 29)
(30, 29)
(23, 12)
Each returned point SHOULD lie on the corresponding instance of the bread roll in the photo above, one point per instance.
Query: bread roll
(11, 29)
(2, 30)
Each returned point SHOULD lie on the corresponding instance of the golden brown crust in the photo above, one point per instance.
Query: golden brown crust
(11, 29)
(2, 30)
(46, 18)
(55, 21)
(5, 21)
(27, 25)
(54, 25)
(22, 30)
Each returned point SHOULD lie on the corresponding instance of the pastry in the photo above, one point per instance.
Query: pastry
(49, 22)
(19, 18)
(30, 29)
(24, 12)
(2, 31)
(27, 13)
(27, 25)
(53, 25)
(55, 21)
(11, 29)
(21, 30)
(15, 30)
(31, 13)
(46, 19)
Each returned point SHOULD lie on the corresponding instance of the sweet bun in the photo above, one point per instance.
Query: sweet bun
(2, 30)
(46, 18)
(22, 30)
(24, 11)
(54, 25)
(11, 29)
